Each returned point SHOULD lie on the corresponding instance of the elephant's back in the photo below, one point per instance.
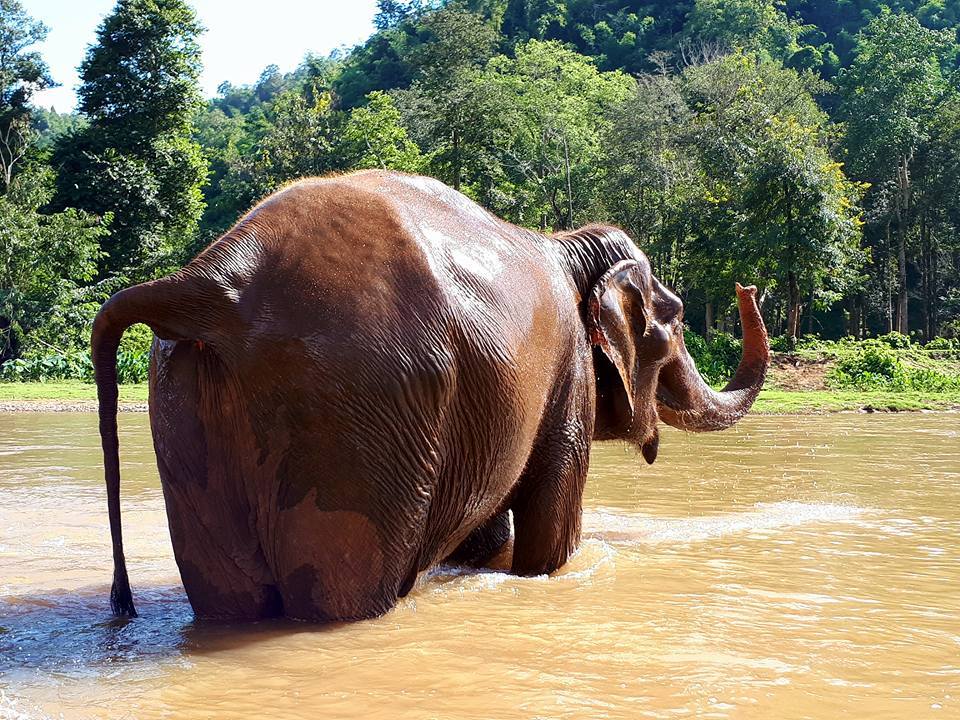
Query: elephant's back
(367, 252)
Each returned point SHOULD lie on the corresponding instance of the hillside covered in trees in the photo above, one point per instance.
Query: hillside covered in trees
(811, 147)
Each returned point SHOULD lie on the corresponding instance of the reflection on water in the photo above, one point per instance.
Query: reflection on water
(793, 567)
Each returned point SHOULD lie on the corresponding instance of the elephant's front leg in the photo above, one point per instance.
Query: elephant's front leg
(547, 505)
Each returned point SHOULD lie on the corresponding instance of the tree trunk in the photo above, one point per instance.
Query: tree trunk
(456, 159)
(902, 309)
(708, 313)
(934, 300)
(793, 305)
(7, 348)
(810, 313)
(888, 278)
(856, 329)
(566, 169)
(903, 209)
(925, 274)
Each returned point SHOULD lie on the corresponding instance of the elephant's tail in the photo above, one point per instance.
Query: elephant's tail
(179, 307)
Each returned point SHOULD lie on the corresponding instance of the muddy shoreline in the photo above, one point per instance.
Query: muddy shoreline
(61, 406)
(12, 406)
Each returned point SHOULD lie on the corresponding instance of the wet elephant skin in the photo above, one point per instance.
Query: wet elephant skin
(367, 372)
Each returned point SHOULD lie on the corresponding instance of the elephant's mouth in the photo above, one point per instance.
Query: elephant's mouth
(650, 447)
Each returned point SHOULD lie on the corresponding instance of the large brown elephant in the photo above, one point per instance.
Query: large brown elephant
(367, 372)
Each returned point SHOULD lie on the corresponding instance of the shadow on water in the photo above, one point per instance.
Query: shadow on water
(76, 634)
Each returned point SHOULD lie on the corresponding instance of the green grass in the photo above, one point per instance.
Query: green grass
(66, 391)
(782, 402)
(771, 402)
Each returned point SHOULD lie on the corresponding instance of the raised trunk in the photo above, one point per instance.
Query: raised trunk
(685, 401)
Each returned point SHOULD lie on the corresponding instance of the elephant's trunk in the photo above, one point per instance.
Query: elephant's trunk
(685, 401)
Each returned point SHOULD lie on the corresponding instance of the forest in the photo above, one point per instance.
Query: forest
(811, 147)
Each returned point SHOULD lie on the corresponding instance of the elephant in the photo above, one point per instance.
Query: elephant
(370, 374)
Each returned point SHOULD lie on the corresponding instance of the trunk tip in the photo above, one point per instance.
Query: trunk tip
(748, 291)
(650, 447)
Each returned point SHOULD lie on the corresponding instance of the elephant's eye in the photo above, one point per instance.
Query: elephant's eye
(669, 306)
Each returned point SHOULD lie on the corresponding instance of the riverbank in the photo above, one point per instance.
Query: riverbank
(65, 397)
(82, 397)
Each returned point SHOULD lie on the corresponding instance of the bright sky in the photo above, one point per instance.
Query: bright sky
(242, 37)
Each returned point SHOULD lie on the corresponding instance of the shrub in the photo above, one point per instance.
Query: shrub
(896, 340)
(782, 343)
(132, 367)
(932, 381)
(51, 366)
(942, 343)
(716, 358)
(872, 366)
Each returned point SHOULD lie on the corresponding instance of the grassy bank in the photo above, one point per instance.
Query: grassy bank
(66, 391)
(798, 402)
(771, 402)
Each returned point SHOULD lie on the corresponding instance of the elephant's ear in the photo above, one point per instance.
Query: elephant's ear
(615, 321)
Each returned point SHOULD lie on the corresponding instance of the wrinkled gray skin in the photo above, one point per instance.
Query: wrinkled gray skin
(364, 375)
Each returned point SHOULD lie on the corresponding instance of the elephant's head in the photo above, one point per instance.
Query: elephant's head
(644, 372)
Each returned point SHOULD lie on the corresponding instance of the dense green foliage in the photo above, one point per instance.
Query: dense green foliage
(135, 158)
(811, 147)
(878, 365)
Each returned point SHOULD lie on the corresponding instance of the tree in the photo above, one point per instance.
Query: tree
(936, 199)
(391, 13)
(805, 221)
(776, 204)
(745, 24)
(374, 137)
(652, 179)
(446, 107)
(301, 141)
(725, 173)
(892, 93)
(552, 106)
(22, 73)
(379, 64)
(44, 258)
(136, 158)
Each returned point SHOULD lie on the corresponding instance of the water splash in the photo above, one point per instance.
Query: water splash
(10, 709)
(617, 527)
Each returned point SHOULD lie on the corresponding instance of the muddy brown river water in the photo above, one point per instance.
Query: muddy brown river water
(795, 567)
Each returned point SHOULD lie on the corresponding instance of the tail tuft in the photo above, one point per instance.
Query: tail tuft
(121, 599)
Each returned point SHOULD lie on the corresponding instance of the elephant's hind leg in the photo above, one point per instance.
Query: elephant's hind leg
(334, 565)
(221, 562)
(222, 583)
